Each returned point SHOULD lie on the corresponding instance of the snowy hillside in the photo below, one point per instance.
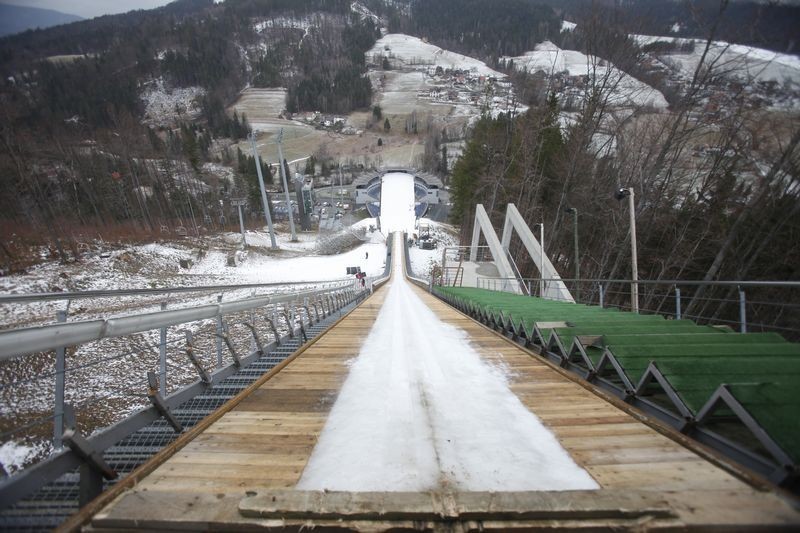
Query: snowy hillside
(746, 63)
(163, 105)
(407, 51)
(365, 14)
(574, 71)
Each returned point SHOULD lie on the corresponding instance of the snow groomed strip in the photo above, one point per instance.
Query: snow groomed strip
(420, 410)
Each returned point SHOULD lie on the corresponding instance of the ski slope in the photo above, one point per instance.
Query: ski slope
(420, 410)
(625, 90)
(746, 63)
(409, 51)
(397, 203)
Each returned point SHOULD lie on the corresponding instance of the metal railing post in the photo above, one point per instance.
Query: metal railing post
(58, 413)
(742, 311)
(219, 336)
(602, 295)
(677, 303)
(162, 357)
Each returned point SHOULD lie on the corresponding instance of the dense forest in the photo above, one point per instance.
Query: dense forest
(771, 25)
(331, 61)
(509, 27)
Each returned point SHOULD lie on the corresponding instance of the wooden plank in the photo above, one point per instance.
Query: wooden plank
(622, 510)
(171, 483)
(190, 471)
(298, 418)
(631, 455)
(624, 428)
(288, 458)
(665, 476)
(451, 506)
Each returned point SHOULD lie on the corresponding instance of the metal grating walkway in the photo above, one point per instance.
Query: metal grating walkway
(52, 504)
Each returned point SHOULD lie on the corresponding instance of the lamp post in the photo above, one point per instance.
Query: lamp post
(622, 193)
(574, 212)
(541, 259)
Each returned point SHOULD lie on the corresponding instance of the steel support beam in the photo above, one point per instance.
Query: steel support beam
(483, 225)
(555, 289)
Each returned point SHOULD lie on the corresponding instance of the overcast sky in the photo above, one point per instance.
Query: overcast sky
(89, 8)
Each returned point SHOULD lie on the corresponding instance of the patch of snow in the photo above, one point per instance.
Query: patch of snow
(412, 51)
(257, 268)
(624, 90)
(15, 456)
(296, 23)
(222, 172)
(424, 261)
(421, 410)
(165, 105)
(107, 396)
(735, 60)
(364, 12)
(567, 25)
(604, 144)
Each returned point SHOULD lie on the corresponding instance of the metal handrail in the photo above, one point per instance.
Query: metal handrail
(65, 459)
(725, 283)
(519, 274)
(20, 342)
(36, 297)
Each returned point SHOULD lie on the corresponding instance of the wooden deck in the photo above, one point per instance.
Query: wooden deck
(240, 471)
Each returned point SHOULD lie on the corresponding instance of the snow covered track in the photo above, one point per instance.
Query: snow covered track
(421, 411)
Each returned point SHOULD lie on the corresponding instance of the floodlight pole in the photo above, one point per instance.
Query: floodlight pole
(263, 191)
(574, 212)
(541, 234)
(541, 259)
(286, 187)
(634, 256)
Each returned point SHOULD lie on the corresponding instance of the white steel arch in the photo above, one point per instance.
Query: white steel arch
(554, 290)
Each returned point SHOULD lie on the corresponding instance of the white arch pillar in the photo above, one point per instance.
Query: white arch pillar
(554, 290)
(484, 225)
